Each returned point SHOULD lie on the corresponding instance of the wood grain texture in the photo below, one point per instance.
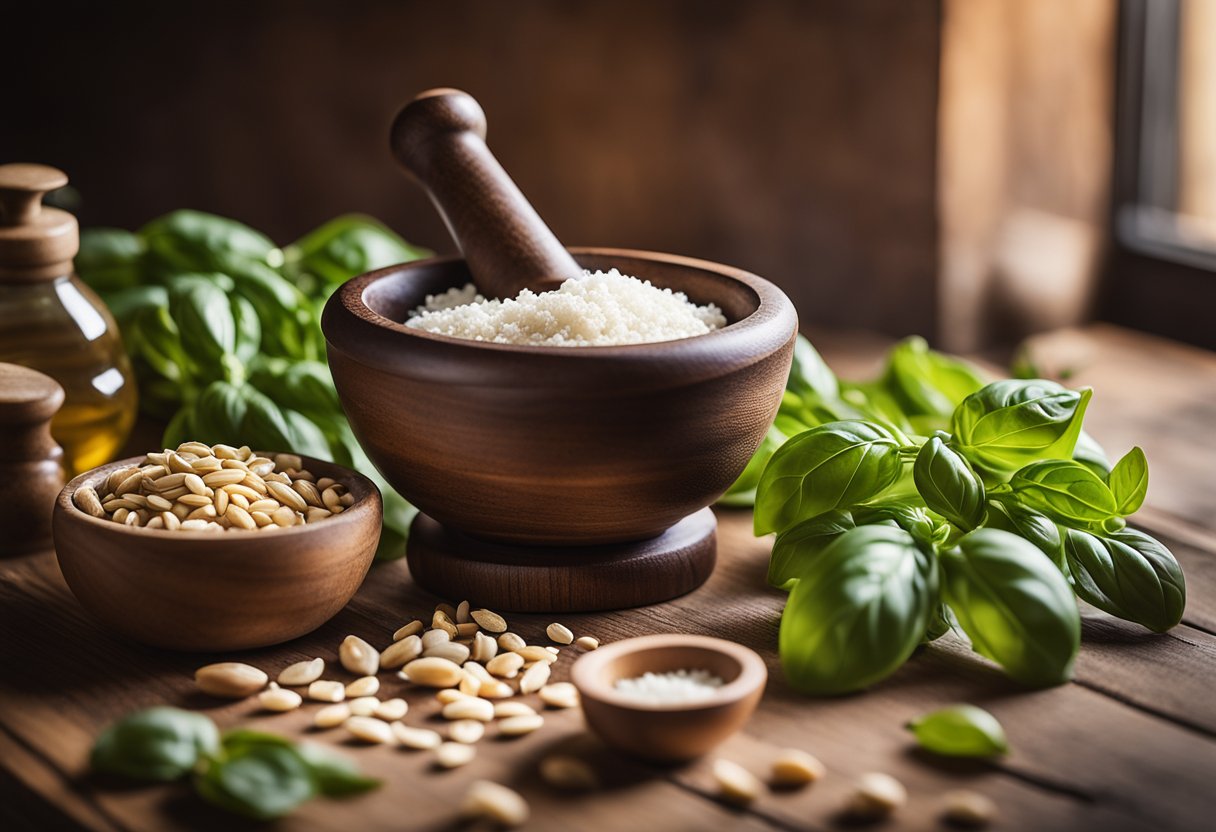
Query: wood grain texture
(31, 464)
(563, 578)
(440, 138)
(232, 590)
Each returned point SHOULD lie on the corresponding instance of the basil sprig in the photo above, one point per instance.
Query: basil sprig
(928, 500)
(223, 329)
(250, 773)
(960, 731)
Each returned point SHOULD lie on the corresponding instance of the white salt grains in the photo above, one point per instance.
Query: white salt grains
(672, 688)
(595, 310)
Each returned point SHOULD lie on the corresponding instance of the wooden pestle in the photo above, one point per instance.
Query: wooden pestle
(439, 138)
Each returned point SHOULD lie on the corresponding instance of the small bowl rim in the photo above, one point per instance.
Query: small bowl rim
(753, 673)
(771, 301)
(354, 514)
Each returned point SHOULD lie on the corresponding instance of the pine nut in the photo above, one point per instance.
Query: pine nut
(391, 709)
(470, 707)
(284, 461)
(587, 643)
(264, 506)
(239, 517)
(369, 730)
(279, 700)
(400, 652)
(356, 655)
(506, 665)
(457, 653)
(86, 500)
(451, 695)
(434, 638)
(517, 726)
(502, 710)
(876, 796)
(495, 803)
(495, 690)
(534, 653)
(420, 739)
(230, 680)
(736, 784)
(469, 629)
(793, 768)
(511, 641)
(363, 686)
(559, 695)
(287, 495)
(470, 685)
(331, 716)
(559, 633)
(484, 648)
(364, 705)
(462, 613)
(226, 476)
(490, 621)
(284, 516)
(467, 731)
(967, 808)
(433, 672)
(568, 773)
(454, 754)
(534, 678)
(477, 671)
(411, 629)
(194, 483)
(302, 673)
(440, 620)
(324, 690)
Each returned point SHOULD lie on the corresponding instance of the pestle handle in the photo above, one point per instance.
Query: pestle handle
(439, 138)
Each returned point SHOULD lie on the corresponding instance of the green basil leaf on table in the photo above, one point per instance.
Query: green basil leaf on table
(1128, 481)
(960, 731)
(154, 744)
(110, 259)
(948, 484)
(1038, 529)
(810, 374)
(194, 241)
(1066, 491)
(260, 776)
(334, 774)
(858, 613)
(796, 548)
(342, 248)
(1014, 605)
(1128, 574)
(835, 465)
(925, 382)
(1011, 423)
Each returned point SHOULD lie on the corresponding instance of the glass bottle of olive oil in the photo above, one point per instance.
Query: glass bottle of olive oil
(51, 321)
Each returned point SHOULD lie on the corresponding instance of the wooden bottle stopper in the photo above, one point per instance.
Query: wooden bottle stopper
(440, 138)
(31, 464)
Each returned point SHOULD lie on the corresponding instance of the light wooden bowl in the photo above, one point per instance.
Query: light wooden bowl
(668, 732)
(209, 591)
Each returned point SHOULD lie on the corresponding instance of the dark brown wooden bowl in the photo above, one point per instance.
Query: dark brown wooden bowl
(554, 445)
(668, 732)
(211, 591)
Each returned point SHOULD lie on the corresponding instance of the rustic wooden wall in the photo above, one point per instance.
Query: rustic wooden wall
(795, 138)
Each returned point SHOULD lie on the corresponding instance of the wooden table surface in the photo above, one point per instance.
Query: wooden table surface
(1130, 744)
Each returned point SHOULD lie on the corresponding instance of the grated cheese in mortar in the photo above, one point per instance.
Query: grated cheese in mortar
(594, 310)
(676, 686)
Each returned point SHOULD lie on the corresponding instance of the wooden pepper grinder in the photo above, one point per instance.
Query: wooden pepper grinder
(31, 464)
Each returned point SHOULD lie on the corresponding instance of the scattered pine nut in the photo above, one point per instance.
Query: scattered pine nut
(363, 686)
(230, 680)
(331, 716)
(491, 622)
(462, 613)
(502, 710)
(535, 653)
(369, 730)
(495, 690)
(279, 700)
(324, 690)
(568, 773)
(467, 731)
(495, 803)
(443, 622)
(434, 638)
(433, 672)
(793, 768)
(587, 642)
(420, 739)
(391, 709)
(967, 808)
(454, 754)
(469, 707)
(449, 695)
(484, 648)
(534, 678)
(412, 629)
(453, 652)
(559, 695)
(447, 609)
(517, 726)
(302, 673)
(400, 652)
(364, 705)
(876, 796)
(471, 684)
(559, 633)
(505, 665)
(511, 641)
(467, 629)
(736, 784)
(357, 656)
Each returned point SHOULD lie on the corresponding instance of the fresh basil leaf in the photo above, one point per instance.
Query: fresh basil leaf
(1009, 424)
(796, 547)
(259, 779)
(1128, 482)
(1066, 491)
(832, 466)
(1092, 455)
(334, 774)
(908, 515)
(125, 303)
(180, 428)
(1014, 605)
(948, 485)
(858, 612)
(109, 259)
(743, 491)
(194, 241)
(287, 318)
(219, 413)
(939, 624)
(154, 744)
(248, 329)
(928, 383)
(156, 340)
(960, 731)
(343, 248)
(204, 318)
(1011, 516)
(809, 373)
(1129, 575)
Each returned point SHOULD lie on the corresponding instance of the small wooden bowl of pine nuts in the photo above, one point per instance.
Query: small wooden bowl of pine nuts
(159, 576)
